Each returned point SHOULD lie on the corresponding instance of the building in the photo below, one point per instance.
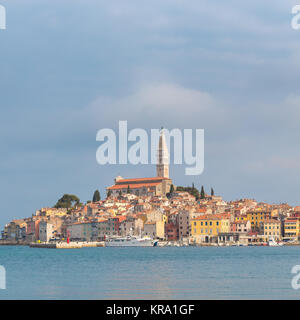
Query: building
(291, 227)
(272, 229)
(75, 231)
(241, 226)
(102, 229)
(154, 186)
(183, 224)
(257, 217)
(207, 227)
(150, 229)
(160, 229)
(32, 231)
(15, 231)
(171, 231)
(46, 231)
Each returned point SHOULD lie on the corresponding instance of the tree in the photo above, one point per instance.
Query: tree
(202, 193)
(169, 194)
(191, 190)
(171, 189)
(96, 196)
(67, 201)
(212, 192)
(108, 193)
(120, 193)
(128, 189)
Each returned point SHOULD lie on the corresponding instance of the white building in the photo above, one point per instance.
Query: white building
(46, 231)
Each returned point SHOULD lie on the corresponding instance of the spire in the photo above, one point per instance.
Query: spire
(162, 167)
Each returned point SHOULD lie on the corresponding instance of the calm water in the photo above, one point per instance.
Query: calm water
(150, 273)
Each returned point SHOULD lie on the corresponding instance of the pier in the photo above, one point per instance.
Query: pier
(65, 245)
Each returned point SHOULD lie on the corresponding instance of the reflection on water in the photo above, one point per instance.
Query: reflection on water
(150, 273)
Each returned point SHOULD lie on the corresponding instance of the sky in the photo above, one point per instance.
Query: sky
(70, 68)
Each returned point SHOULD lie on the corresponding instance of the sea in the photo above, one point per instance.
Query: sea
(150, 273)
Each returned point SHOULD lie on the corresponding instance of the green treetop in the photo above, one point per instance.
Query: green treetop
(96, 196)
(67, 201)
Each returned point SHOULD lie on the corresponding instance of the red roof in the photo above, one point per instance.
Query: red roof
(132, 186)
(141, 179)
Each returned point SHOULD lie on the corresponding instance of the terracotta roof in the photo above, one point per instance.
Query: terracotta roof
(132, 186)
(271, 221)
(213, 217)
(141, 179)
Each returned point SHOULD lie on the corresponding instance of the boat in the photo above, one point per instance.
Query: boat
(131, 241)
(273, 243)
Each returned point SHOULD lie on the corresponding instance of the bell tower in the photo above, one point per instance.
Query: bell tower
(162, 167)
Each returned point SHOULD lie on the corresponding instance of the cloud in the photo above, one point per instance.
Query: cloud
(158, 104)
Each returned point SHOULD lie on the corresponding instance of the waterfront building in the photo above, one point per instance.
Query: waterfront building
(183, 224)
(272, 229)
(32, 231)
(257, 217)
(102, 229)
(291, 227)
(171, 231)
(46, 231)
(15, 230)
(160, 228)
(150, 229)
(241, 226)
(207, 227)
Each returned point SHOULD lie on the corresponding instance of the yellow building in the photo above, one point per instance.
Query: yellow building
(291, 227)
(272, 229)
(258, 216)
(241, 218)
(209, 226)
(58, 212)
(160, 229)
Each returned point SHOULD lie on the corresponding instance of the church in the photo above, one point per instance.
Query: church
(155, 186)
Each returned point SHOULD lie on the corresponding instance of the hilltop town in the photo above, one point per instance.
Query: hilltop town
(156, 208)
(178, 217)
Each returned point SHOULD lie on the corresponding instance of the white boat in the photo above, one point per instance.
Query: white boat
(131, 241)
(273, 243)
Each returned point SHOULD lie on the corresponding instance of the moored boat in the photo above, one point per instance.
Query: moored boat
(273, 243)
(131, 241)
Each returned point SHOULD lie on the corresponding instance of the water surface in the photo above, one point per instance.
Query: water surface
(150, 273)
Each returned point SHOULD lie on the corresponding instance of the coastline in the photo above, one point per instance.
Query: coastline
(79, 245)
